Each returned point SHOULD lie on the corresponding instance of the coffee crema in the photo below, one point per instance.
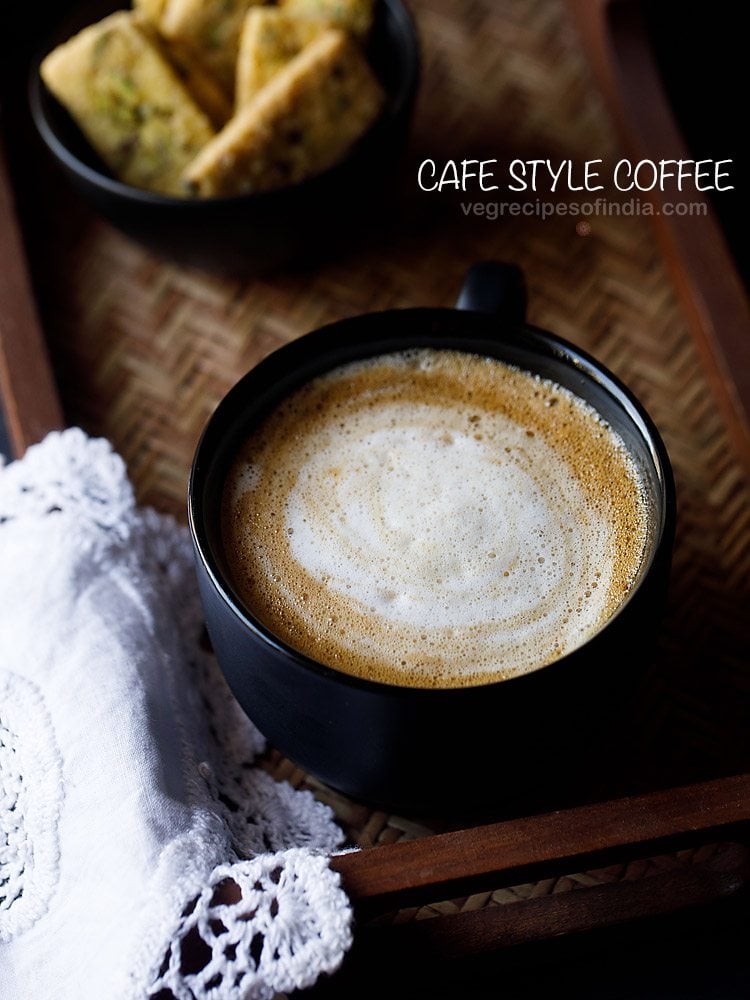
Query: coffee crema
(433, 518)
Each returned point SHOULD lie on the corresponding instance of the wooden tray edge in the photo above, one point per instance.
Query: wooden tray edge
(433, 866)
(713, 297)
(28, 392)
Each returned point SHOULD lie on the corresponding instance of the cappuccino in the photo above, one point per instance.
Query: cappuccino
(433, 518)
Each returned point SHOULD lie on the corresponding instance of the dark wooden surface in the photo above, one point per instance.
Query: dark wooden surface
(698, 953)
(615, 35)
(501, 853)
(30, 403)
(634, 920)
(535, 847)
(535, 920)
(6, 449)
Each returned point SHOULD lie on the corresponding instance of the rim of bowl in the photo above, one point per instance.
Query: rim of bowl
(396, 105)
(574, 356)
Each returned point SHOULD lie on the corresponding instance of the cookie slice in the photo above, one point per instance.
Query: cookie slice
(129, 103)
(152, 10)
(270, 39)
(211, 29)
(200, 82)
(349, 15)
(303, 121)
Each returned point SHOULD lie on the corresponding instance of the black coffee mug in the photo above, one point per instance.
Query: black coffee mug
(417, 748)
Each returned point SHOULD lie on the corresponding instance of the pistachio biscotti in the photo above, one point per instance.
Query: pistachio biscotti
(210, 29)
(303, 121)
(200, 83)
(270, 39)
(152, 10)
(355, 16)
(139, 86)
(129, 102)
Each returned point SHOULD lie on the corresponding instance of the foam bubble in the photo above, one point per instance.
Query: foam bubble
(409, 519)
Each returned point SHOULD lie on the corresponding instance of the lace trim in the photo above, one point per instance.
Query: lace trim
(290, 919)
(255, 929)
(69, 473)
(30, 798)
(266, 815)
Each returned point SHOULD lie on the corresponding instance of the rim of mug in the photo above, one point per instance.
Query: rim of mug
(563, 350)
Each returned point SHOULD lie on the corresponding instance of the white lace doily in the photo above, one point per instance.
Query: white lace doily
(142, 855)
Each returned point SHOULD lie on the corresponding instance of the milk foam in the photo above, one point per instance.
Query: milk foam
(415, 535)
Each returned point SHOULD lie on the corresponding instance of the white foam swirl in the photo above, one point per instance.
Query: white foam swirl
(421, 525)
(439, 540)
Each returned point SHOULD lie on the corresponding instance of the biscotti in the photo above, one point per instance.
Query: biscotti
(129, 102)
(303, 121)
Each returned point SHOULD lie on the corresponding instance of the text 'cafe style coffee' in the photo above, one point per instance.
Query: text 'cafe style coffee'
(433, 518)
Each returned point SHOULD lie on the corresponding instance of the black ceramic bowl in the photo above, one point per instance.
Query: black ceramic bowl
(406, 746)
(247, 233)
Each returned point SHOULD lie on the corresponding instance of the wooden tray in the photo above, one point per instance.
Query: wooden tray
(142, 351)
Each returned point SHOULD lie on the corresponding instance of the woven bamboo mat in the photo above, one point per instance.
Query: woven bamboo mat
(144, 350)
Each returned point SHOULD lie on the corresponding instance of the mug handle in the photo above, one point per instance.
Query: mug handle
(494, 288)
